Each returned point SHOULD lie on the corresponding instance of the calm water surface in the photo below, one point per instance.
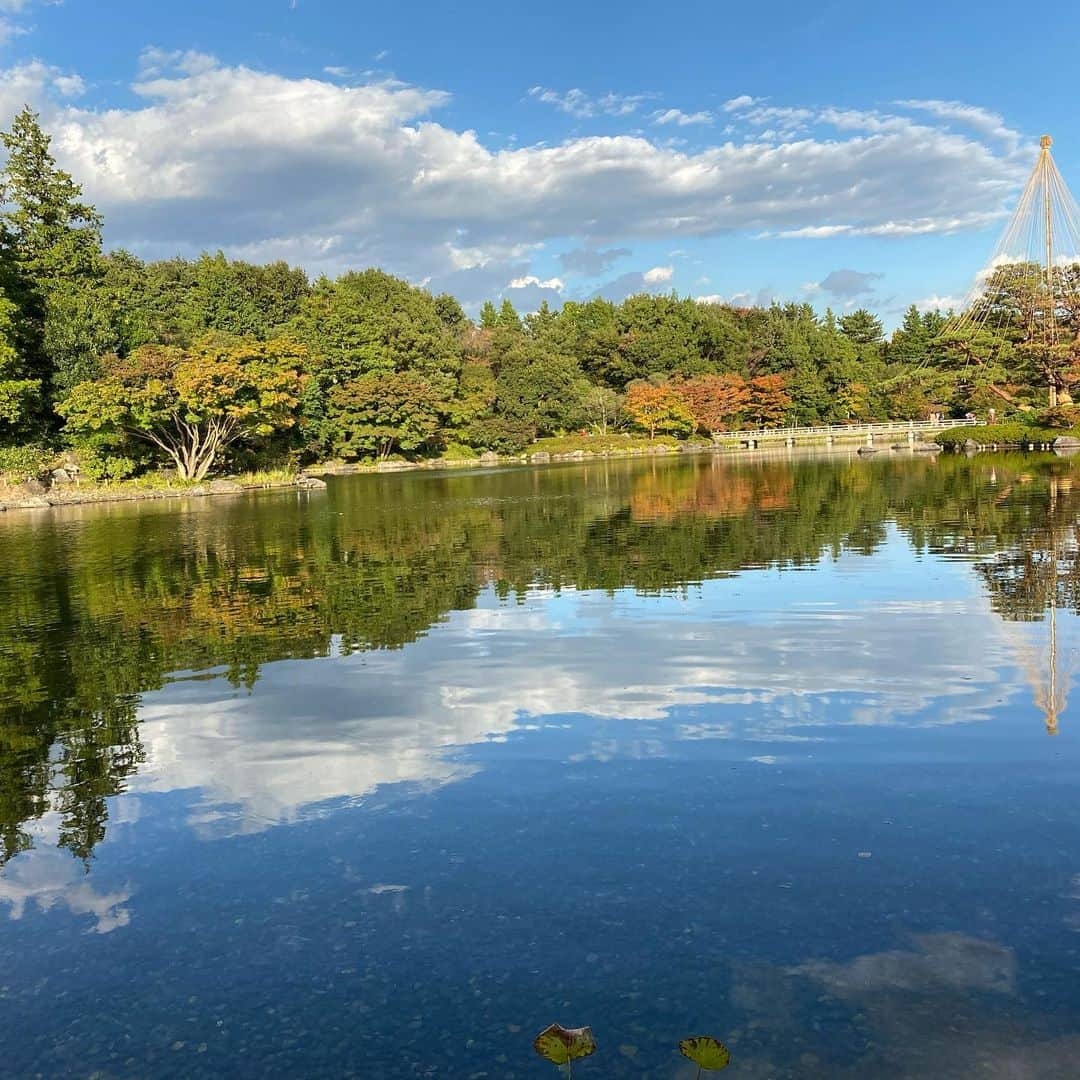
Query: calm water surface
(380, 781)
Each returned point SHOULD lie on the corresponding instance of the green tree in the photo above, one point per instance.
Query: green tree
(372, 323)
(590, 333)
(51, 255)
(383, 412)
(19, 396)
(541, 388)
(474, 400)
(861, 327)
(508, 317)
(911, 343)
(449, 310)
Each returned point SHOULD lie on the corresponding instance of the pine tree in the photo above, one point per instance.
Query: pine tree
(508, 317)
(50, 257)
(861, 327)
(910, 343)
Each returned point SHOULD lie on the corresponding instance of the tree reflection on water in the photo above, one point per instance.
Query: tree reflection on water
(100, 606)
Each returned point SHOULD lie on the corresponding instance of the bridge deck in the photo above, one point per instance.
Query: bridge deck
(848, 431)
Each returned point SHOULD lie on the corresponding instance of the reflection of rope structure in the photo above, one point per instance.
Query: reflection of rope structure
(1049, 678)
(1041, 660)
(1031, 282)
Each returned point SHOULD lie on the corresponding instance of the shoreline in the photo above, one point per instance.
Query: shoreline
(67, 495)
(59, 497)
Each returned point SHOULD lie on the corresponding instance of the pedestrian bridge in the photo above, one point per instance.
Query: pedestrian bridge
(909, 431)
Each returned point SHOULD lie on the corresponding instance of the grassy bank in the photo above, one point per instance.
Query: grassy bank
(601, 444)
(1012, 433)
(31, 478)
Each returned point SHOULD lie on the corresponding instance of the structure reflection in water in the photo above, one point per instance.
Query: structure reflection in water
(100, 607)
(292, 784)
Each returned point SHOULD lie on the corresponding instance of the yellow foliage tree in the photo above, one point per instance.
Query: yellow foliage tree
(192, 403)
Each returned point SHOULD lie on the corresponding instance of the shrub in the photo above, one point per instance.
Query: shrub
(459, 452)
(21, 463)
(1011, 433)
(499, 433)
(1060, 417)
(98, 464)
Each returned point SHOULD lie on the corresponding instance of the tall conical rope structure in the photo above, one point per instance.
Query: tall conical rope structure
(1043, 236)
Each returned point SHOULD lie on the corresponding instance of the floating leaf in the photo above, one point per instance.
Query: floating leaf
(563, 1045)
(706, 1052)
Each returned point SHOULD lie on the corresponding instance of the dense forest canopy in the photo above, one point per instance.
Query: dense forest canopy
(209, 364)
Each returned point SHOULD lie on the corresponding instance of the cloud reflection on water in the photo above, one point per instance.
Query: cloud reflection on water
(47, 876)
(737, 659)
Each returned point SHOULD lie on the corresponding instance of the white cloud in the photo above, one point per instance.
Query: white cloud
(678, 117)
(658, 274)
(155, 61)
(69, 85)
(531, 279)
(978, 119)
(736, 104)
(582, 105)
(940, 303)
(918, 227)
(745, 299)
(333, 175)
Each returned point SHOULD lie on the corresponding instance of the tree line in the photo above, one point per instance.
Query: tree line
(214, 363)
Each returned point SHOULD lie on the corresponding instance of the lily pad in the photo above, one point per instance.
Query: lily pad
(706, 1052)
(563, 1045)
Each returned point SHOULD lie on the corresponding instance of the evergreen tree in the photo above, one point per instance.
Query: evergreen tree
(910, 344)
(508, 317)
(18, 394)
(51, 243)
(861, 327)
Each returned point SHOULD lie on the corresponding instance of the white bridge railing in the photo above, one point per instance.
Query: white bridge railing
(894, 428)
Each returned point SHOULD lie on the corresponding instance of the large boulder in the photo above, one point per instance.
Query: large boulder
(311, 483)
(489, 457)
(1066, 442)
(224, 486)
(541, 457)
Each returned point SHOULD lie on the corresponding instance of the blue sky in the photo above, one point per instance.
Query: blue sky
(842, 153)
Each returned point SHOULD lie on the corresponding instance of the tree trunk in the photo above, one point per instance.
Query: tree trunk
(1003, 394)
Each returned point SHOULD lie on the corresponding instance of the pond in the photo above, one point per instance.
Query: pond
(382, 780)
